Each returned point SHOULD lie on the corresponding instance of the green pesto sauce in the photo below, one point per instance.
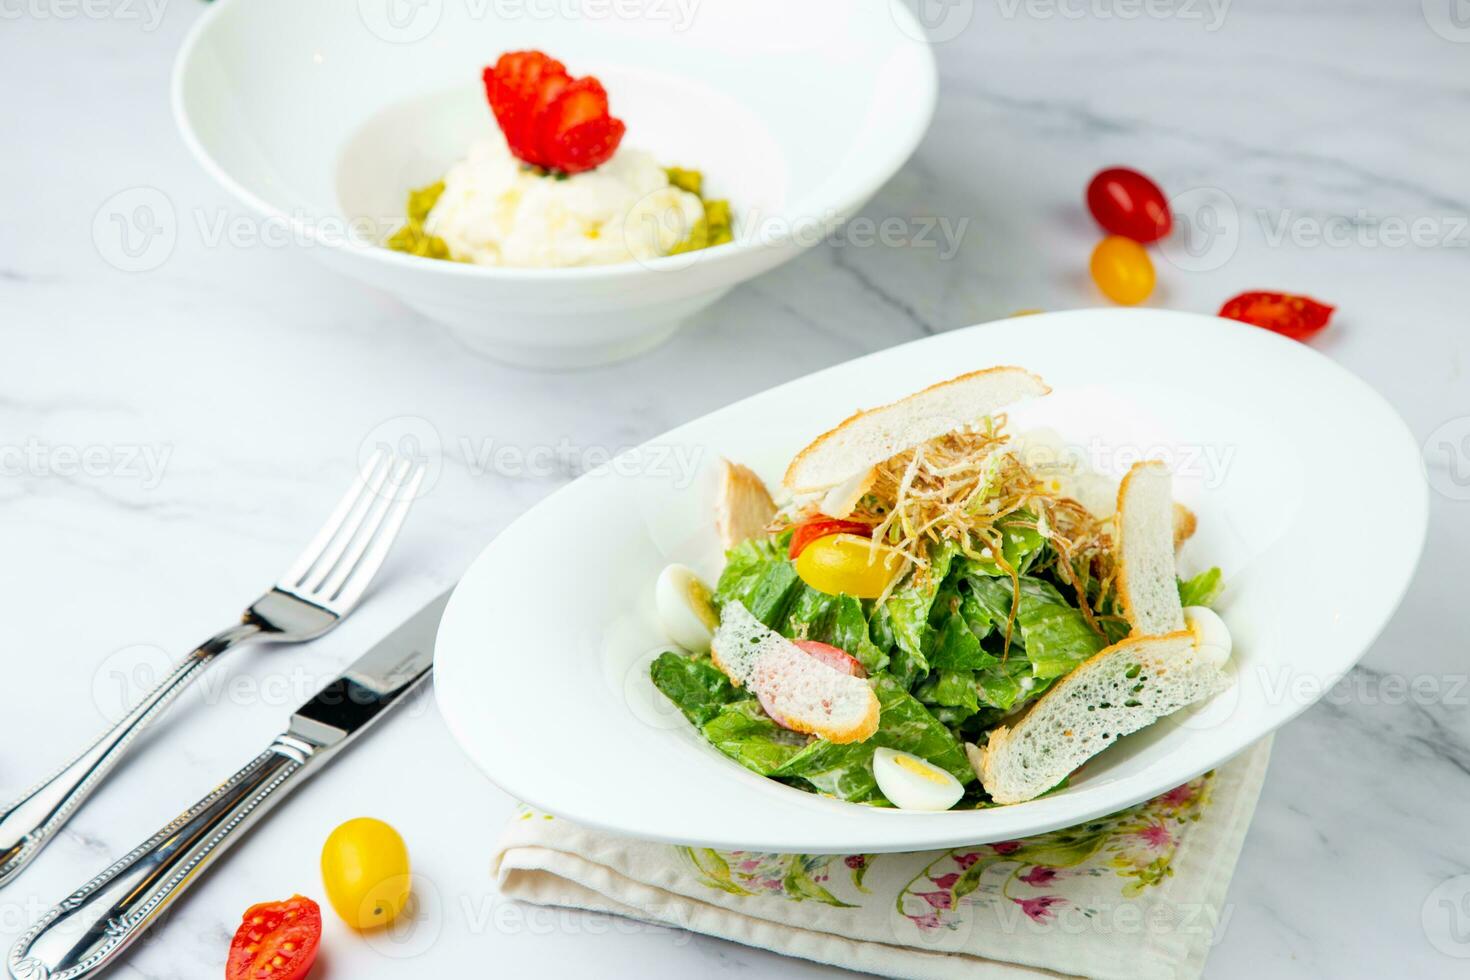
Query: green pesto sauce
(714, 228)
(412, 238)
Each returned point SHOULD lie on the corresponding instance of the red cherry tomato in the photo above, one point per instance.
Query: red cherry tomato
(276, 941)
(813, 528)
(1127, 203)
(1297, 317)
(833, 657)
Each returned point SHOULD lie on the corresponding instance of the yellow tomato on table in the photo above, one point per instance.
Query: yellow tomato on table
(1122, 270)
(844, 564)
(366, 873)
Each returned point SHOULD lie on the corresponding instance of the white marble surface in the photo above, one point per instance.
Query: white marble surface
(253, 375)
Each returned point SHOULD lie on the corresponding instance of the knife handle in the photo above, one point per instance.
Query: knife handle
(93, 925)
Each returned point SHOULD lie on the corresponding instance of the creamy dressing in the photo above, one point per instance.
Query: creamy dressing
(495, 211)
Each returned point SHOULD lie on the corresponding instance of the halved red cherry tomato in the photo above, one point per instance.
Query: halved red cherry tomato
(276, 941)
(813, 528)
(1127, 203)
(834, 657)
(1297, 317)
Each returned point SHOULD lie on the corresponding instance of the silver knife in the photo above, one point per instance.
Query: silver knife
(88, 931)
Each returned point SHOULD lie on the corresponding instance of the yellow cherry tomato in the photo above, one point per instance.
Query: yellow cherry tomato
(366, 873)
(1122, 270)
(843, 564)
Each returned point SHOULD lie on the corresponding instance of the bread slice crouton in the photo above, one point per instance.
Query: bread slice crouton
(805, 693)
(1119, 690)
(1147, 585)
(870, 437)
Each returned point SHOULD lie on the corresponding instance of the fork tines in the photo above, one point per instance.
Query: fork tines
(346, 553)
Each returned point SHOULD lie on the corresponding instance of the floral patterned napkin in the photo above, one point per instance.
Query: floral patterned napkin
(1136, 895)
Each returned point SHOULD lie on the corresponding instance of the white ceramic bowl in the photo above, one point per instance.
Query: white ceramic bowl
(325, 114)
(541, 669)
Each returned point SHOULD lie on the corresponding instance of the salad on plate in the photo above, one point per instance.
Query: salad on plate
(940, 612)
(552, 186)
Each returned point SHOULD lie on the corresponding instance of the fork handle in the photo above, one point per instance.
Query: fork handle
(31, 822)
(92, 926)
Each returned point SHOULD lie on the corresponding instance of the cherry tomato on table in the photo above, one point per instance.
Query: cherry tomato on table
(1122, 270)
(820, 526)
(276, 941)
(1127, 203)
(366, 871)
(1297, 317)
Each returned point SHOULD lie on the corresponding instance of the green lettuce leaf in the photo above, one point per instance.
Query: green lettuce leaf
(977, 617)
(746, 734)
(1006, 685)
(1202, 590)
(947, 688)
(759, 575)
(697, 687)
(834, 619)
(846, 771)
(908, 614)
(956, 647)
(1020, 545)
(1054, 635)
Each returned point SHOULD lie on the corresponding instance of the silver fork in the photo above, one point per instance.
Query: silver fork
(315, 594)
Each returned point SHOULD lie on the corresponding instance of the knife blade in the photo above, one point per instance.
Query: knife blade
(89, 930)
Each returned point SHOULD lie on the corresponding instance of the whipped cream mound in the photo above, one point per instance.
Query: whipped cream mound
(494, 211)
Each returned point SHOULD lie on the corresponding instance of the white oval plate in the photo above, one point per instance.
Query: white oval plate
(541, 670)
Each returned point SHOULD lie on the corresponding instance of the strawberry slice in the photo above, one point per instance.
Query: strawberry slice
(549, 119)
(513, 86)
(575, 131)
